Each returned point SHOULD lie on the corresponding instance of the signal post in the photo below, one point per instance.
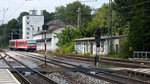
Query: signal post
(45, 28)
(97, 41)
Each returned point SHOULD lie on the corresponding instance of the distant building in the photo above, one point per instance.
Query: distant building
(32, 24)
(54, 27)
(88, 45)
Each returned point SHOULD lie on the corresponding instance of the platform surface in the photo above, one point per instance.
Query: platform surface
(6, 77)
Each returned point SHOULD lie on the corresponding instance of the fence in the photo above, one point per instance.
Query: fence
(141, 55)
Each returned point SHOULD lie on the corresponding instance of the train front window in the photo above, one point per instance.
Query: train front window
(31, 42)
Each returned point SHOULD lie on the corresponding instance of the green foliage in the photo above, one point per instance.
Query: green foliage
(60, 13)
(69, 14)
(123, 48)
(91, 29)
(21, 15)
(72, 14)
(48, 16)
(101, 18)
(53, 71)
(66, 38)
(13, 26)
(87, 54)
(135, 15)
(41, 50)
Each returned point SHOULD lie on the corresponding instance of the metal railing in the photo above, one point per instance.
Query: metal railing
(141, 55)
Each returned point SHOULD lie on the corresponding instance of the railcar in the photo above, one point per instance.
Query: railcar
(20, 44)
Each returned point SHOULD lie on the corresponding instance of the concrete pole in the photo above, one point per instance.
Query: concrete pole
(45, 47)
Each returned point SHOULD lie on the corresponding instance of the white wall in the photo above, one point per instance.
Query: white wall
(51, 45)
(36, 21)
(54, 40)
(81, 48)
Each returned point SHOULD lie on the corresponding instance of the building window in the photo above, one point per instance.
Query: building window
(38, 29)
(27, 37)
(27, 17)
(28, 28)
(27, 22)
(28, 33)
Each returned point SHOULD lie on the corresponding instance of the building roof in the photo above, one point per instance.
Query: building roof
(53, 25)
(102, 38)
(43, 40)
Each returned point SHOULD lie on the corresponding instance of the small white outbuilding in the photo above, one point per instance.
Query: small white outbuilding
(88, 45)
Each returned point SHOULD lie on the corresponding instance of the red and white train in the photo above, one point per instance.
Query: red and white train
(20, 44)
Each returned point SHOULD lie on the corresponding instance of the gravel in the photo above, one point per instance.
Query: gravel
(74, 78)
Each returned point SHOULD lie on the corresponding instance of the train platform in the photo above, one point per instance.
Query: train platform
(6, 77)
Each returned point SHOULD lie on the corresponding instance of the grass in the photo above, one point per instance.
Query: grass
(18, 78)
(42, 66)
(53, 71)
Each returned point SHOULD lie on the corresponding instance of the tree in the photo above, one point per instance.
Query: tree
(66, 38)
(101, 18)
(12, 26)
(72, 14)
(60, 13)
(135, 15)
(48, 16)
(21, 15)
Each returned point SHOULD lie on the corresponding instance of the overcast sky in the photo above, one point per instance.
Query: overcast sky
(14, 7)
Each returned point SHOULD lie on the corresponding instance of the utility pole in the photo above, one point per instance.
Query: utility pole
(4, 11)
(110, 46)
(79, 17)
(79, 13)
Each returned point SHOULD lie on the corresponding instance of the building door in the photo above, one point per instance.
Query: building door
(91, 49)
(117, 49)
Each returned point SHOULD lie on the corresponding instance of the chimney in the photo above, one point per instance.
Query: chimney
(117, 33)
(42, 12)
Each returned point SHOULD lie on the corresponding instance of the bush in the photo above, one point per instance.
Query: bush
(41, 50)
(68, 47)
(87, 54)
(123, 48)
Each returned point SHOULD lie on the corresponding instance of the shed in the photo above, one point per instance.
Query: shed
(88, 45)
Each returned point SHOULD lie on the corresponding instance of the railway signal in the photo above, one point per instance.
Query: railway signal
(97, 36)
(97, 41)
(45, 28)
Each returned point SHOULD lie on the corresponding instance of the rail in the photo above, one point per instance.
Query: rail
(26, 81)
(38, 73)
(107, 77)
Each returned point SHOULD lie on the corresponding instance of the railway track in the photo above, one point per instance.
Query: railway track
(25, 80)
(104, 75)
(109, 61)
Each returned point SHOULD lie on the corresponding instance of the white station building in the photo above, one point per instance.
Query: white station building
(55, 26)
(32, 24)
